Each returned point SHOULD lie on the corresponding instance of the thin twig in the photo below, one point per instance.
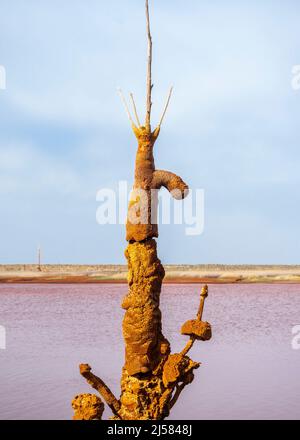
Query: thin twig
(135, 110)
(166, 106)
(149, 72)
(125, 105)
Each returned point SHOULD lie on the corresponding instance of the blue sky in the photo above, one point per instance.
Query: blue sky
(232, 127)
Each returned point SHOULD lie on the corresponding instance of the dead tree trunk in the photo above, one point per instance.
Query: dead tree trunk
(152, 377)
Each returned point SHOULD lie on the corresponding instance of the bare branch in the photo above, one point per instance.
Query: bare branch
(126, 106)
(135, 111)
(149, 71)
(166, 106)
(99, 385)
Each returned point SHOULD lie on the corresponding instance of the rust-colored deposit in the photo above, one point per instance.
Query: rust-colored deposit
(152, 377)
(87, 407)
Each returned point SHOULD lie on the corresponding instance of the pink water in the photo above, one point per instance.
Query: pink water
(249, 369)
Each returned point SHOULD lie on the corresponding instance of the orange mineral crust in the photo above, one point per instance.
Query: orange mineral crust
(152, 377)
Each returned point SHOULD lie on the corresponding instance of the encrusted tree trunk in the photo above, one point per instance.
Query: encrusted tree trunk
(152, 377)
(144, 393)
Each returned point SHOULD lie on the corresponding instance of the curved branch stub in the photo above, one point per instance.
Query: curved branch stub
(173, 183)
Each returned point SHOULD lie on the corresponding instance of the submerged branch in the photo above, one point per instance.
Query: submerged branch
(101, 387)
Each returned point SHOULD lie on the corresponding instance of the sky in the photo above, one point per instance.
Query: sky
(232, 128)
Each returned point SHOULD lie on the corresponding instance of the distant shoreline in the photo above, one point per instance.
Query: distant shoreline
(179, 274)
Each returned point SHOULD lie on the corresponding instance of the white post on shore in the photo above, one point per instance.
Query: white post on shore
(39, 258)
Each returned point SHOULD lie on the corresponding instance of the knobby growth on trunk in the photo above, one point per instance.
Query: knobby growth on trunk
(152, 377)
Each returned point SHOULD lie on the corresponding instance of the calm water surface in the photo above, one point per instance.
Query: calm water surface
(248, 370)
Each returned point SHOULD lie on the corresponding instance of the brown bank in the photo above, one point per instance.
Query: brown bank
(179, 274)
